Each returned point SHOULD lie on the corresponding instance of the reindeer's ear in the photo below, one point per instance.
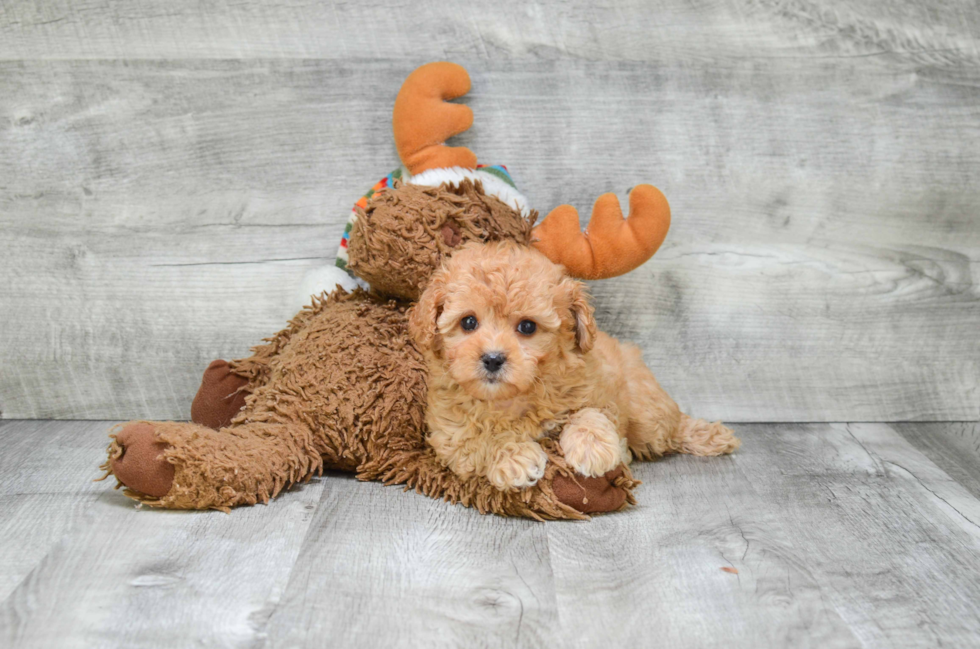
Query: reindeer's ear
(423, 316)
(582, 313)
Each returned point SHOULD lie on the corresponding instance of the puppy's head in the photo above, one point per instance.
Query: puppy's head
(501, 316)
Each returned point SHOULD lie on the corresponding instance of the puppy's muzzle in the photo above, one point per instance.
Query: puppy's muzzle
(493, 361)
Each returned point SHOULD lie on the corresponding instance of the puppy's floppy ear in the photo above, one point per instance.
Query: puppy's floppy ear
(423, 316)
(582, 313)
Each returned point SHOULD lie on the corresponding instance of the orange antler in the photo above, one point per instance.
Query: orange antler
(610, 245)
(423, 120)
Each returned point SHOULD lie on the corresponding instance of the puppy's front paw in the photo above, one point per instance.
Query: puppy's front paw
(517, 465)
(591, 444)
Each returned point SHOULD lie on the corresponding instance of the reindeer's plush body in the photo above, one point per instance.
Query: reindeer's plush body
(343, 387)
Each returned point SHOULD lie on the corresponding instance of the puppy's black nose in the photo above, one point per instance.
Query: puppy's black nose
(493, 361)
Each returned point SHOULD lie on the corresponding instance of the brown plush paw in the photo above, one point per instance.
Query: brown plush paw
(140, 464)
(220, 396)
(591, 495)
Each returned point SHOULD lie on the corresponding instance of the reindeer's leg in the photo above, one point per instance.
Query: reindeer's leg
(606, 493)
(220, 397)
(225, 385)
(181, 465)
(186, 465)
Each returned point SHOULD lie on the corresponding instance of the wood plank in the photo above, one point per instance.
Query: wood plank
(631, 30)
(381, 566)
(181, 266)
(112, 574)
(953, 447)
(156, 216)
(655, 573)
(51, 457)
(903, 459)
(888, 536)
(46, 473)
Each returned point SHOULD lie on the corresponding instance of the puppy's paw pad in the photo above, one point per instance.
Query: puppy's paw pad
(517, 466)
(592, 446)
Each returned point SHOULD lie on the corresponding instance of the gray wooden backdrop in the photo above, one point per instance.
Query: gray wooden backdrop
(170, 169)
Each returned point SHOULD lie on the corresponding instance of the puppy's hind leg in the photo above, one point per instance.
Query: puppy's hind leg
(656, 424)
(665, 429)
(700, 437)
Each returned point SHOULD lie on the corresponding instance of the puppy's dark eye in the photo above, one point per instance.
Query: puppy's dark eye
(527, 327)
(469, 323)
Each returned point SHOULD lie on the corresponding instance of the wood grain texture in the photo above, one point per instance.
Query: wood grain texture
(890, 538)
(46, 486)
(657, 573)
(821, 266)
(955, 448)
(396, 569)
(842, 535)
(638, 30)
(169, 171)
(103, 572)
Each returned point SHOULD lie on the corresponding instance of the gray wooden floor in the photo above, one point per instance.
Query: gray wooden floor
(843, 535)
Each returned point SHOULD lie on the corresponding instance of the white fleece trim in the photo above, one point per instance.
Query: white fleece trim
(492, 185)
(318, 280)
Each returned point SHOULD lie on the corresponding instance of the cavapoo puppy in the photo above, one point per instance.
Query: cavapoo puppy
(514, 354)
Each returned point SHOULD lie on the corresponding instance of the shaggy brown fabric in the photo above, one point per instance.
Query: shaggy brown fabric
(400, 238)
(297, 421)
(222, 469)
(344, 367)
(587, 495)
(220, 397)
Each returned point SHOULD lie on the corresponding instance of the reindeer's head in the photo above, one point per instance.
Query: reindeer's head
(402, 234)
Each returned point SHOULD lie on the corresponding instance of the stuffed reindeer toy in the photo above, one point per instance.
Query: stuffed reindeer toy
(344, 385)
